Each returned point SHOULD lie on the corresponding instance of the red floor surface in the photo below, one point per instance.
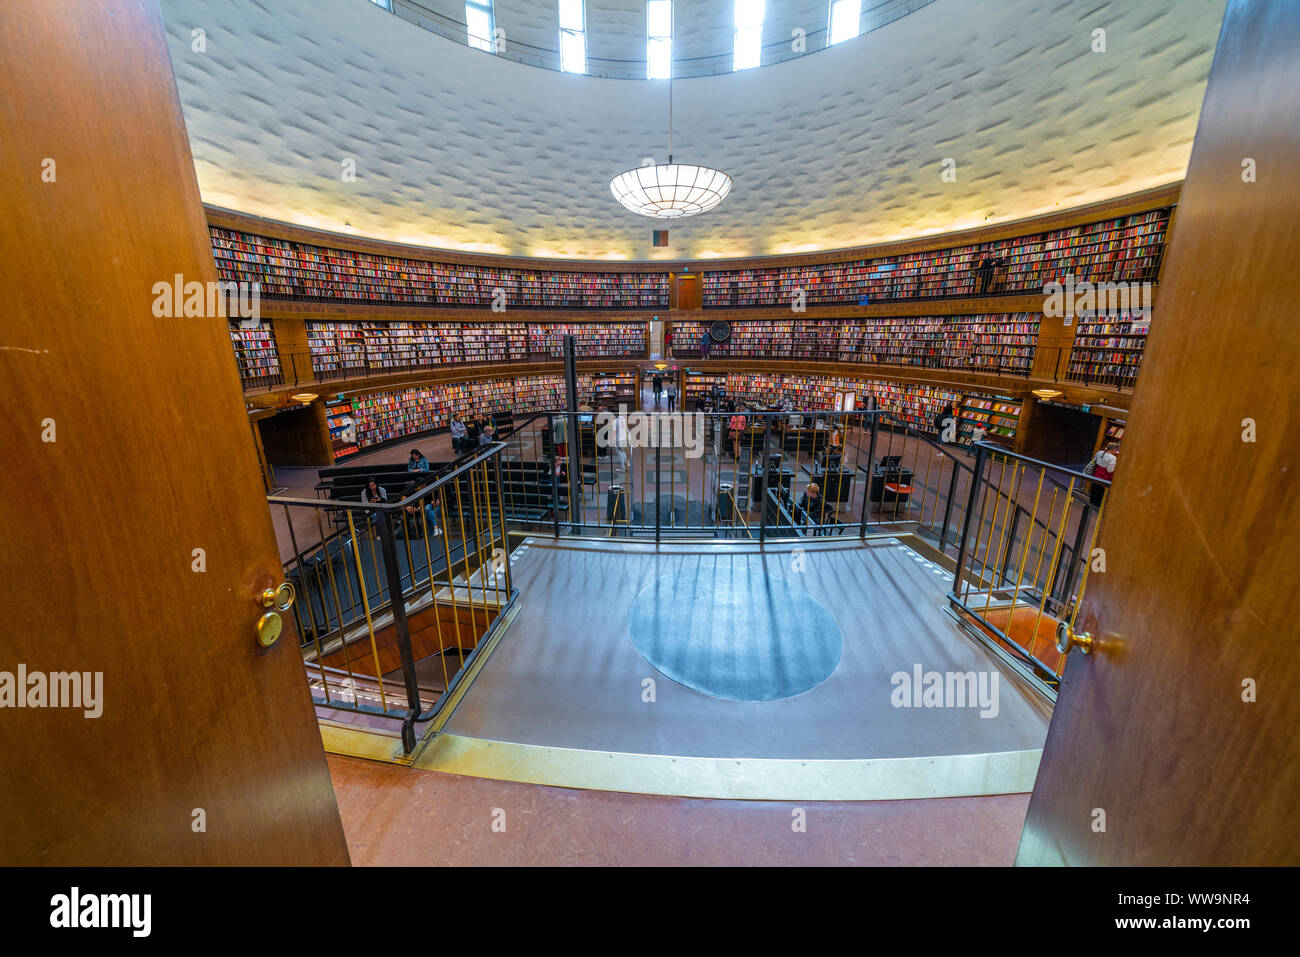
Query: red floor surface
(394, 815)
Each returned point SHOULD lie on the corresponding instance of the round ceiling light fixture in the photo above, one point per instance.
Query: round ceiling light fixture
(670, 190)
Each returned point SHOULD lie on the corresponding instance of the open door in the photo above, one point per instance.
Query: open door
(1174, 741)
(138, 539)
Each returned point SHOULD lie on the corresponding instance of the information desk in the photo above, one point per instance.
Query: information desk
(775, 479)
(891, 487)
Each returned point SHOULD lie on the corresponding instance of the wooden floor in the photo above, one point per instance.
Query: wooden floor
(395, 815)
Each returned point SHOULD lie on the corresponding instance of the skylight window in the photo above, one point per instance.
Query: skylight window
(846, 21)
(478, 23)
(573, 36)
(659, 39)
(749, 34)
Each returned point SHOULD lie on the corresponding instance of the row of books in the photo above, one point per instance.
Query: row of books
(998, 417)
(1005, 341)
(297, 270)
(916, 405)
(698, 384)
(1124, 249)
(1108, 349)
(345, 346)
(340, 421)
(384, 416)
(256, 354)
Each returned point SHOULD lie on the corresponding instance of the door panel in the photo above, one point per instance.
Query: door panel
(1200, 536)
(151, 459)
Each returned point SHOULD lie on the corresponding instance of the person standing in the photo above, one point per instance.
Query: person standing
(458, 435)
(736, 426)
(668, 342)
(705, 341)
(1102, 466)
(984, 272)
(672, 395)
(657, 383)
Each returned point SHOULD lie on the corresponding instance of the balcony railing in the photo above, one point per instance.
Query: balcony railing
(394, 598)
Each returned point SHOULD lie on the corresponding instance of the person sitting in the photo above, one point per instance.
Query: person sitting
(818, 510)
(373, 492)
(459, 442)
(417, 462)
(487, 436)
(432, 516)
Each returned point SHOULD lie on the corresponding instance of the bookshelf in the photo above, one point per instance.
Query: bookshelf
(1108, 349)
(598, 339)
(385, 416)
(342, 428)
(1124, 249)
(340, 349)
(1001, 343)
(1000, 417)
(607, 389)
(915, 405)
(699, 384)
(292, 270)
(256, 355)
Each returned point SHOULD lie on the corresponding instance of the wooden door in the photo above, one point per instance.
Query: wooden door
(1157, 730)
(128, 451)
(689, 295)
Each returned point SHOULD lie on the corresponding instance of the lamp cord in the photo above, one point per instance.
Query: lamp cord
(670, 114)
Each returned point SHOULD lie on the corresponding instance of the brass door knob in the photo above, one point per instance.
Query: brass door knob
(279, 598)
(1067, 640)
(269, 627)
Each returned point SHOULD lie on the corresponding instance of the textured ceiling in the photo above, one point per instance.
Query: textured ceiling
(460, 149)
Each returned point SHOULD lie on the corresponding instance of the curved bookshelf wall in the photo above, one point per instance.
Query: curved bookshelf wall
(382, 416)
(916, 322)
(1126, 249)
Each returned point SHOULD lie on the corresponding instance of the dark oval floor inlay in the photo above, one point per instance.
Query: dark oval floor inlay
(729, 629)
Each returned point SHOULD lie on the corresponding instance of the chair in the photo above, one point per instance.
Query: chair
(591, 476)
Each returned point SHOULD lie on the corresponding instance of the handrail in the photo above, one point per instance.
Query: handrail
(476, 458)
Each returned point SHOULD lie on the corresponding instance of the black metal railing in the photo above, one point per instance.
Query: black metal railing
(434, 557)
(697, 473)
(1024, 554)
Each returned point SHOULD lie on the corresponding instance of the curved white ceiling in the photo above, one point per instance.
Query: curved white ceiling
(459, 149)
